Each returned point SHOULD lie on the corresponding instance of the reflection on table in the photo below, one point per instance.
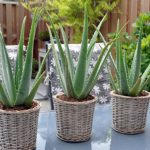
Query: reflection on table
(103, 137)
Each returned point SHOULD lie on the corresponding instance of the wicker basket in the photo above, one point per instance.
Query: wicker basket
(18, 129)
(129, 113)
(74, 119)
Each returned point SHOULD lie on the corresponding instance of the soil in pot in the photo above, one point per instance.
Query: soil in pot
(18, 108)
(71, 99)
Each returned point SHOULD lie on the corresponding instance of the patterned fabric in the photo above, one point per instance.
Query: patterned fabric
(102, 87)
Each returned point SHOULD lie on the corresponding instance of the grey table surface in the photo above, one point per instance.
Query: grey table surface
(103, 137)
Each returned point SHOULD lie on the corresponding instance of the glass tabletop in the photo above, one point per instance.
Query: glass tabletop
(103, 137)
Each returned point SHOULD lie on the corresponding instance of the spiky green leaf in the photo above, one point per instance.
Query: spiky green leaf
(124, 87)
(136, 63)
(68, 54)
(57, 63)
(23, 91)
(134, 91)
(19, 59)
(81, 72)
(33, 91)
(7, 76)
(95, 73)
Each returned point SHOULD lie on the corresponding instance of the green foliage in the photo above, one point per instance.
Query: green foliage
(144, 20)
(129, 42)
(129, 82)
(15, 87)
(70, 13)
(44, 36)
(75, 80)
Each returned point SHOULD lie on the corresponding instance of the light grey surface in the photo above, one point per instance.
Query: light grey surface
(103, 137)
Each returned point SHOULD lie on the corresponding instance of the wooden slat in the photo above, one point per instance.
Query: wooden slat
(1, 16)
(113, 21)
(9, 23)
(133, 13)
(145, 5)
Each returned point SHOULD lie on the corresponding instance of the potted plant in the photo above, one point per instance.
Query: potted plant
(75, 107)
(129, 100)
(18, 111)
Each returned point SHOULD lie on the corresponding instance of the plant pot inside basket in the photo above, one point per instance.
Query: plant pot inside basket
(18, 128)
(74, 119)
(129, 113)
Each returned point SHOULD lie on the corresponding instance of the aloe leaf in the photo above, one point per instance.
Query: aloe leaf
(32, 93)
(68, 55)
(142, 86)
(145, 74)
(136, 63)
(112, 63)
(110, 55)
(94, 37)
(124, 88)
(23, 91)
(68, 80)
(118, 46)
(81, 72)
(7, 76)
(19, 60)
(95, 73)
(61, 52)
(112, 82)
(58, 64)
(42, 66)
(126, 65)
(134, 91)
(3, 97)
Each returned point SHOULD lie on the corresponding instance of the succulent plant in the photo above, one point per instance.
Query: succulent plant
(15, 87)
(129, 82)
(75, 80)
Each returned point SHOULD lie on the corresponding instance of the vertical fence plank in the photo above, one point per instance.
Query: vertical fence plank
(9, 23)
(1, 16)
(145, 5)
(133, 14)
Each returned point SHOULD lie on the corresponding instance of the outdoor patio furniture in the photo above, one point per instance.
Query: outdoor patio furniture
(102, 88)
(103, 137)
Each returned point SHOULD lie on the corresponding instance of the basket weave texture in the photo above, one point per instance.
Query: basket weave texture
(74, 119)
(129, 113)
(18, 130)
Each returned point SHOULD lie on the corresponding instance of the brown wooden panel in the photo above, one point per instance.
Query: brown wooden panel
(1, 16)
(113, 21)
(9, 23)
(123, 16)
(133, 14)
(145, 5)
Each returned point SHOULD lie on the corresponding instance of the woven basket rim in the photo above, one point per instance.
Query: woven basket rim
(37, 107)
(112, 93)
(74, 103)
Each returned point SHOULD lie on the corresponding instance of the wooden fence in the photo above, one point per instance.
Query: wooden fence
(11, 16)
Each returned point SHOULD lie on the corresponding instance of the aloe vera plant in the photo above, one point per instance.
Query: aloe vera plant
(15, 87)
(129, 82)
(75, 80)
